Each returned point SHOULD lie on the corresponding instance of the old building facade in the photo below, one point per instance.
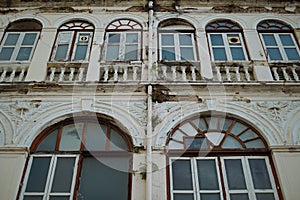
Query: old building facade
(155, 100)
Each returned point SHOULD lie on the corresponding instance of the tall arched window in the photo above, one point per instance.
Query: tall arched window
(123, 41)
(278, 41)
(19, 40)
(218, 157)
(81, 159)
(226, 41)
(73, 42)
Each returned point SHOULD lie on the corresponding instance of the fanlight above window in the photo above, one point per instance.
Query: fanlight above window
(123, 24)
(272, 25)
(224, 25)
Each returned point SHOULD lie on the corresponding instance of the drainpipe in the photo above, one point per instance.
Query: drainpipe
(150, 41)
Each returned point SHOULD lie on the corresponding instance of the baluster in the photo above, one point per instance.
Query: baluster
(183, 68)
(12, 75)
(237, 73)
(228, 76)
(116, 73)
(219, 76)
(276, 76)
(52, 74)
(164, 71)
(285, 74)
(106, 73)
(134, 76)
(295, 75)
(71, 75)
(193, 73)
(21, 76)
(3, 75)
(81, 72)
(247, 75)
(62, 74)
(174, 75)
(125, 73)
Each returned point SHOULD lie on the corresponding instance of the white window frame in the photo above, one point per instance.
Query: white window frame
(280, 46)
(19, 45)
(49, 181)
(227, 46)
(122, 45)
(177, 45)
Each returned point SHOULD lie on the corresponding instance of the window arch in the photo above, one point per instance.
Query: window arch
(123, 41)
(79, 159)
(73, 42)
(226, 41)
(278, 40)
(219, 157)
(20, 40)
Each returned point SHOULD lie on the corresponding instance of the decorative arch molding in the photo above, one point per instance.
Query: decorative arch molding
(43, 21)
(81, 17)
(136, 18)
(270, 132)
(292, 128)
(274, 18)
(193, 22)
(6, 130)
(238, 21)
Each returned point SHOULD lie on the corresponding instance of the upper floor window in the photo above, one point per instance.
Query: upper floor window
(176, 41)
(123, 41)
(19, 40)
(226, 41)
(278, 40)
(81, 159)
(73, 42)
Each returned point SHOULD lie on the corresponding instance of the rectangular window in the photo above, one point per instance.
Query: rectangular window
(18, 46)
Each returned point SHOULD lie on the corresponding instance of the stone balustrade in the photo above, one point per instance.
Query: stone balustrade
(69, 73)
(285, 72)
(13, 73)
(233, 72)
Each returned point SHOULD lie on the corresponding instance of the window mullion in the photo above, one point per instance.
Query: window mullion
(280, 47)
(51, 174)
(227, 46)
(17, 46)
(248, 178)
(196, 188)
(177, 46)
(122, 46)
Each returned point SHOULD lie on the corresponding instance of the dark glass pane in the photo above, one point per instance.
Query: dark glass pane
(168, 53)
(59, 198)
(259, 173)
(114, 38)
(117, 142)
(24, 53)
(255, 144)
(274, 54)
(266, 196)
(80, 52)
(48, 144)
(185, 39)
(207, 175)
(11, 39)
(216, 40)
(131, 38)
(182, 175)
(183, 197)
(196, 143)
(269, 40)
(231, 143)
(200, 124)
(234, 39)
(286, 40)
(167, 40)
(239, 197)
(112, 52)
(292, 54)
(235, 174)
(238, 128)
(6, 53)
(249, 134)
(61, 52)
(63, 174)
(71, 137)
(38, 174)
(210, 196)
(30, 197)
(187, 53)
(84, 38)
(237, 53)
(131, 52)
(29, 39)
(219, 54)
(101, 180)
(95, 137)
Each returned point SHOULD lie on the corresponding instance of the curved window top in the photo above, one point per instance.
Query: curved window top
(25, 24)
(223, 25)
(175, 24)
(123, 24)
(215, 133)
(82, 135)
(273, 25)
(77, 25)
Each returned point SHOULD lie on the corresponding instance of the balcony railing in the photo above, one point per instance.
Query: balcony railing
(285, 72)
(13, 73)
(233, 72)
(66, 73)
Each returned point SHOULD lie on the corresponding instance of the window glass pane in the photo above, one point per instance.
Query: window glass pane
(64, 37)
(71, 137)
(29, 39)
(216, 40)
(185, 39)
(6, 53)
(207, 175)
(95, 137)
(237, 53)
(219, 54)
(238, 128)
(274, 53)
(269, 40)
(259, 173)
(11, 39)
(286, 40)
(266, 196)
(131, 37)
(182, 175)
(255, 144)
(249, 134)
(38, 174)
(235, 174)
(114, 38)
(84, 38)
(292, 53)
(131, 52)
(102, 181)
(200, 124)
(167, 39)
(196, 143)
(234, 39)
(59, 198)
(30, 197)
(62, 180)
(80, 52)
(210, 196)
(231, 143)
(112, 52)
(117, 142)
(61, 52)
(239, 197)
(226, 125)
(187, 53)
(168, 53)
(48, 144)
(183, 197)
(24, 53)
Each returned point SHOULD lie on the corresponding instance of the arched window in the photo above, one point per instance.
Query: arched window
(218, 157)
(81, 159)
(19, 40)
(177, 41)
(73, 42)
(278, 41)
(226, 41)
(123, 41)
